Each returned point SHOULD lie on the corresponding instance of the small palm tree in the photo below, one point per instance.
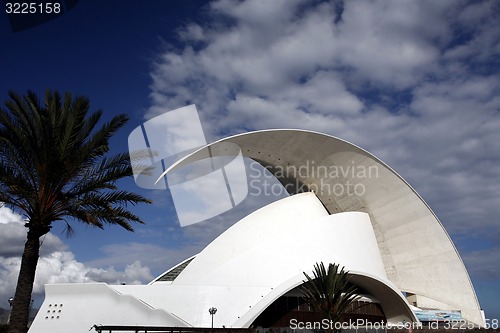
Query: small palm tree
(329, 292)
(54, 167)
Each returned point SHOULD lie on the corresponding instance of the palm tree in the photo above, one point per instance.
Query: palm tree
(54, 166)
(329, 292)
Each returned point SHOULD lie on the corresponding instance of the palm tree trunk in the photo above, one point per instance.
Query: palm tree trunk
(22, 299)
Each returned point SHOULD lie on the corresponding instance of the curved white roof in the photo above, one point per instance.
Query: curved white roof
(264, 255)
(418, 255)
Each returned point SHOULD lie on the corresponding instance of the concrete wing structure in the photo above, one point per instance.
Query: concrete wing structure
(347, 207)
(418, 254)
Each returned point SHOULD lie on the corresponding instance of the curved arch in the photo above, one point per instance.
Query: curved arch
(394, 305)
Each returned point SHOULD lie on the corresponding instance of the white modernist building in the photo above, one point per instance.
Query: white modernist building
(382, 231)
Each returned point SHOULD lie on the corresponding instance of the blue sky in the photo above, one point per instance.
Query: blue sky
(414, 82)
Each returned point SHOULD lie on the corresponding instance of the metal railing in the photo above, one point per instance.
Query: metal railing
(163, 329)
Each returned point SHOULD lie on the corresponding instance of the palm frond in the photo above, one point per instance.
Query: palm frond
(55, 163)
(329, 292)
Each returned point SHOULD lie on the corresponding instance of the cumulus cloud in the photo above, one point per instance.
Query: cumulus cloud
(392, 43)
(56, 264)
(416, 83)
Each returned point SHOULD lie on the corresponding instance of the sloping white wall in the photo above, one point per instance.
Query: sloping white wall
(263, 256)
(76, 308)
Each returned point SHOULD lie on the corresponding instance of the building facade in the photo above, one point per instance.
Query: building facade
(345, 206)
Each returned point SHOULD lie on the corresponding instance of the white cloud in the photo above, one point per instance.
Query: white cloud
(56, 263)
(8, 216)
(13, 236)
(393, 44)
(134, 273)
